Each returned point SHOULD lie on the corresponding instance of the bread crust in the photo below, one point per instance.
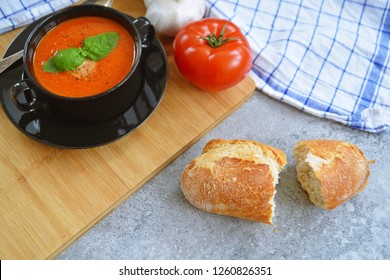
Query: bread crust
(342, 174)
(234, 178)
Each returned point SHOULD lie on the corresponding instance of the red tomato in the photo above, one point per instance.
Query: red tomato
(212, 68)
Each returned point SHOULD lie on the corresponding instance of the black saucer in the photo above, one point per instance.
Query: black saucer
(50, 128)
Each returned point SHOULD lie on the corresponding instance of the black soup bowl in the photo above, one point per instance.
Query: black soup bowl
(29, 95)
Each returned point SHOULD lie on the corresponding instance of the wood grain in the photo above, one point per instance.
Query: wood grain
(49, 197)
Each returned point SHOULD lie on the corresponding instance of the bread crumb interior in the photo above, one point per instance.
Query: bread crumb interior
(306, 165)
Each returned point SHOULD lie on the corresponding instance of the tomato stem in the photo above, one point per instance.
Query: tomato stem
(215, 41)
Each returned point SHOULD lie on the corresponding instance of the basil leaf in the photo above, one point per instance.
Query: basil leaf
(68, 59)
(64, 60)
(95, 48)
(49, 66)
(99, 46)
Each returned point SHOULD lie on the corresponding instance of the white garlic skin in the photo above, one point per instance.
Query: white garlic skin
(169, 16)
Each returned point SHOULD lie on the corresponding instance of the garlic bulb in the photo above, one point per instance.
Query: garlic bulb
(168, 16)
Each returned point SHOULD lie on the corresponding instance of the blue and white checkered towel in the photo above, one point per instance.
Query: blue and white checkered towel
(17, 13)
(327, 57)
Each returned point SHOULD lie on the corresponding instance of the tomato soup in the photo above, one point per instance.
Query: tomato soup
(101, 75)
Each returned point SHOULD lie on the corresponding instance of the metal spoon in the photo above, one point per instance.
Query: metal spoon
(9, 60)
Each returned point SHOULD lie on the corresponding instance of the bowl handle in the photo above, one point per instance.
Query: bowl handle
(146, 30)
(24, 96)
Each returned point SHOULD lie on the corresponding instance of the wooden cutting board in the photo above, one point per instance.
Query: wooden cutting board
(49, 197)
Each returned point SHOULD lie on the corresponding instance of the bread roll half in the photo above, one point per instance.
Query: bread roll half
(330, 171)
(234, 178)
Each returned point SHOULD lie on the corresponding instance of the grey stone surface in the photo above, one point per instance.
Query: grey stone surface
(158, 223)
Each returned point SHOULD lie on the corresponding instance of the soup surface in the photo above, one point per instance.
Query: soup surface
(91, 77)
